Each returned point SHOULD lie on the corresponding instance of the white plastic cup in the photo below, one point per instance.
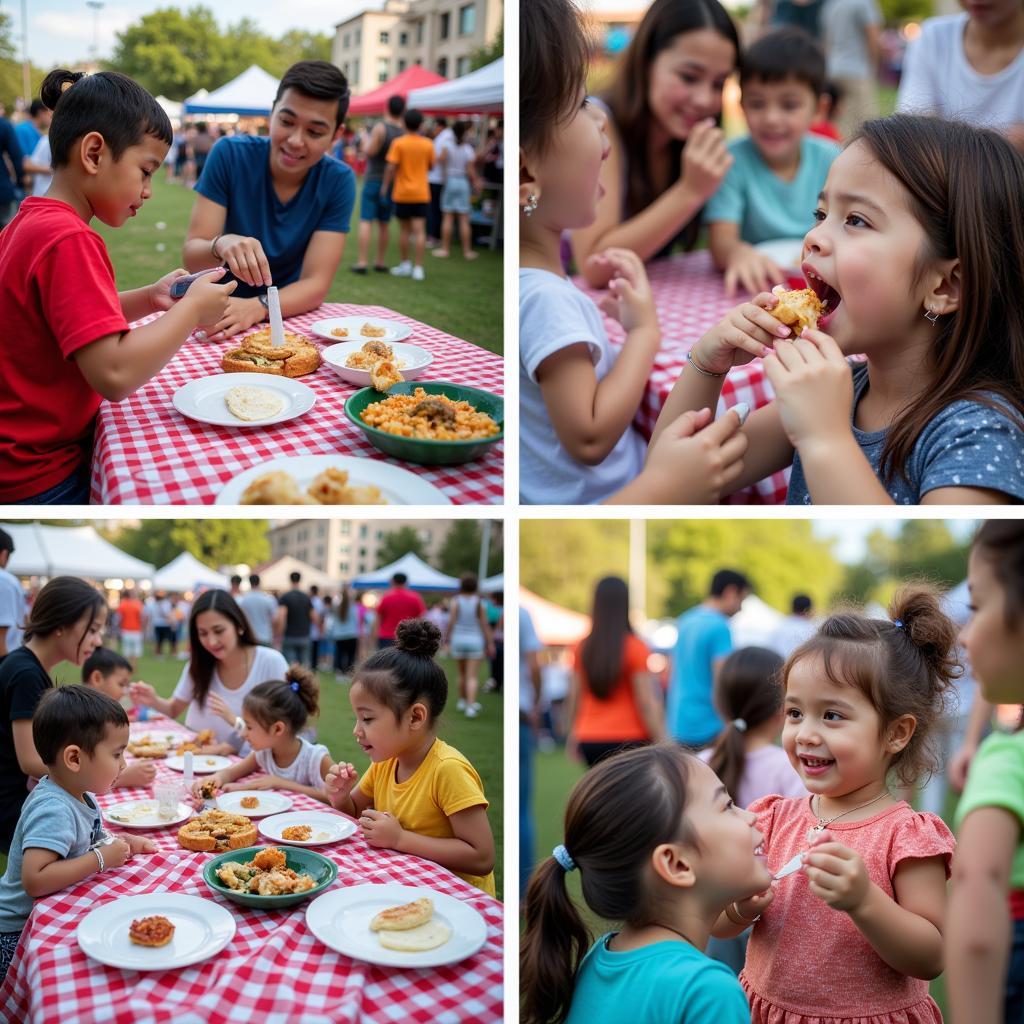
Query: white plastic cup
(168, 795)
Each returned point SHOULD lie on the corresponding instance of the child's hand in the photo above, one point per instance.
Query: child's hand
(160, 291)
(218, 785)
(836, 875)
(340, 780)
(139, 844)
(209, 300)
(631, 301)
(694, 461)
(141, 773)
(745, 332)
(753, 271)
(813, 389)
(265, 782)
(381, 830)
(219, 707)
(142, 693)
(755, 905)
(706, 159)
(116, 853)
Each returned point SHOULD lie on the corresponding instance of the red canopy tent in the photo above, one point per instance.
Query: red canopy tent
(376, 102)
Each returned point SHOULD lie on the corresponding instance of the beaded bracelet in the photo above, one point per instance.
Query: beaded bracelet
(700, 369)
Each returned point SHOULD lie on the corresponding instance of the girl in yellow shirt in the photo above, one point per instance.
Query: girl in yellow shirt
(420, 795)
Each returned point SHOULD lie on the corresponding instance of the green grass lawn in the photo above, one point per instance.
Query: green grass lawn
(463, 299)
(556, 775)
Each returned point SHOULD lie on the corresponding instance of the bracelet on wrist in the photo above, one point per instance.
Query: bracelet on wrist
(99, 857)
(213, 247)
(240, 725)
(739, 918)
(700, 369)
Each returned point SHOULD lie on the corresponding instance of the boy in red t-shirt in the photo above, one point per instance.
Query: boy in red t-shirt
(66, 343)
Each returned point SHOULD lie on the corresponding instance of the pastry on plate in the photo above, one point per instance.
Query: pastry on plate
(797, 309)
(384, 375)
(217, 831)
(256, 354)
(370, 331)
(151, 931)
(297, 833)
(408, 915)
(275, 488)
(250, 802)
(143, 748)
(251, 404)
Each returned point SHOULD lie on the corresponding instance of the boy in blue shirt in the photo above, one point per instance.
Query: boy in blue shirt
(771, 190)
(81, 736)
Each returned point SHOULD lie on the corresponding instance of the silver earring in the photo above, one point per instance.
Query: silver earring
(531, 204)
(931, 316)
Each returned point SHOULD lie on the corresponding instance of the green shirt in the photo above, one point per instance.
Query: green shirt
(996, 779)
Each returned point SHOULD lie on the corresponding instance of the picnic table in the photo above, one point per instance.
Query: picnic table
(274, 971)
(146, 452)
(689, 295)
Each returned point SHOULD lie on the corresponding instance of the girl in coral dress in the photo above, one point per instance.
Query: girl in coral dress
(855, 934)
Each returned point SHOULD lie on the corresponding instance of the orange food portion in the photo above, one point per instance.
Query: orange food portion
(151, 931)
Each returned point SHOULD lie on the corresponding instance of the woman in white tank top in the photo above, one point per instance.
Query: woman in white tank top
(468, 639)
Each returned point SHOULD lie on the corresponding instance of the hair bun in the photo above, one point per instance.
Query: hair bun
(55, 84)
(417, 636)
(928, 628)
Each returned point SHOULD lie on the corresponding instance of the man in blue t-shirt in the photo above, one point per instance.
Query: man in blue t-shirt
(704, 641)
(276, 210)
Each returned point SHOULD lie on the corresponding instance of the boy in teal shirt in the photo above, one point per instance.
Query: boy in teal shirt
(771, 190)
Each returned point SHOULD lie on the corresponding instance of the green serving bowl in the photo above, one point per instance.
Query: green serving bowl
(318, 867)
(426, 452)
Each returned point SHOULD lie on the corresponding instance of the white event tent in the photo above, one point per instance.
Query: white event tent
(493, 584)
(420, 576)
(251, 94)
(186, 572)
(481, 91)
(70, 551)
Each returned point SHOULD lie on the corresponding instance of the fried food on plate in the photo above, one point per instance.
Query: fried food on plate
(217, 830)
(797, 309)
(370, 331)
(249, 802)
(253, 404)
(297, 833)
(408, 915)
(275, 488)
(151, 931)
(264, 876)
(383, 375)
(331, 487)
(256, 354)
(270, 859)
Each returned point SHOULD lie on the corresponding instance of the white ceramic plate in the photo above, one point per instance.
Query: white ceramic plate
(202, 764)
(143, 814)
(327, 828)
(202, 929)
(172, 739)
(397, 486)
(786, 252)
(394, 331)
(411, 361)
(203, 399)
(341, 919)
(269, 802)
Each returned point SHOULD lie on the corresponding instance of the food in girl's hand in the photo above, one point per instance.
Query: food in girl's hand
(408, 915)
(265, 875)
(151, 931)
(295, 358)
(384, 375)
(217, 830)
(208, 789)
(429, 417)
(252, 404)
(297, 833)
(331, 487)
(370, 331)
(249, 802)
(797, 309)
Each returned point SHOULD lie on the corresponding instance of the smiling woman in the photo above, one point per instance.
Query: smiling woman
(273, 210)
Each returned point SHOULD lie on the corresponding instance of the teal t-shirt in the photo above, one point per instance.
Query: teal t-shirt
(996, 779)
(765, 206)
(665, 983)
(704, 637)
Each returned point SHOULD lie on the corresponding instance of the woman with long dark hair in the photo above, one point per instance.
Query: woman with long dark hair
(612, 703)
(668, 154)
(226, 664)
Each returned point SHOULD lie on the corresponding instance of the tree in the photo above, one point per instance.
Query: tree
(485, 55)
(399, 543)
(215, 542)
(460, 553)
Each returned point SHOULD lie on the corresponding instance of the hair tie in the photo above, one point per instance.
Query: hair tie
(295, 687)
(739, 724)
(561, 854)
(898, 623)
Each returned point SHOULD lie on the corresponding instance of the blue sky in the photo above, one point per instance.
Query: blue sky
(60, 32)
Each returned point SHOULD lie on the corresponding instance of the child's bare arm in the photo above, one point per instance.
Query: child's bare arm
(44, 872)
(28, 757)
(978, 923)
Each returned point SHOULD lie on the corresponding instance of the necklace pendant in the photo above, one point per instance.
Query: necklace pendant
(820, 827)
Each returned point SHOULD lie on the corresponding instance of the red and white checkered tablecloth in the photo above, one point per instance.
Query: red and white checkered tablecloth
(273, 972)
(690, 298)
(146, 452)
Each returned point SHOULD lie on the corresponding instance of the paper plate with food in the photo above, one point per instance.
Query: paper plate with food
(202, 764)
(397, 925)
(267, 877)
(329, 480)
(307, 828)
(357, 362)
(145, 814)
(150, 745)
(253, 803)
(158, 931)
(243, 399)
(361, 328)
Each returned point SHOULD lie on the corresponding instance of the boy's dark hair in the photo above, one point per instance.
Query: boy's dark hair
(36, 107)
(236, 580)
(396, 104)
(292, 700)
(295, 576)
(106, 662)
(553, 57)
(320, 80)
(107, 102)
(400, 676)
(400, 579)
(725, 578)
(1001, 541)
(801, 604)
(254, 580)
(785, 53)
(413, 120)
(76, 715)
(60, 604)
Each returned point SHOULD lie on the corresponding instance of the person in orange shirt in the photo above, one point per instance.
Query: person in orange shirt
(409, 159)
(129, 613)
(612, 702)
